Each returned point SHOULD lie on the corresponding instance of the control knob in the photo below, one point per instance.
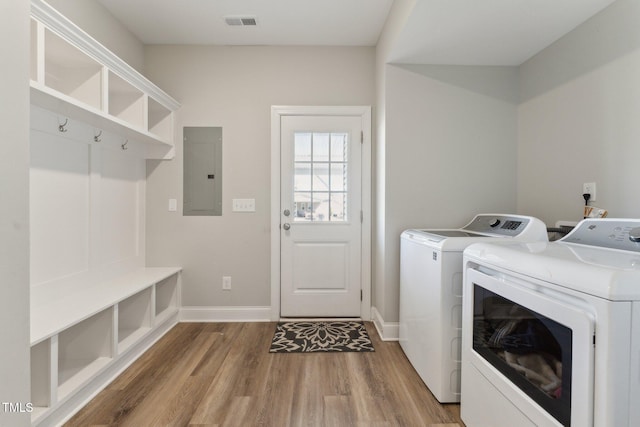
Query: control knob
(634, 234)
(494, 223)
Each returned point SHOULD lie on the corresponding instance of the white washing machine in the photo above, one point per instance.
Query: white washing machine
(551, 331)
(431, 293)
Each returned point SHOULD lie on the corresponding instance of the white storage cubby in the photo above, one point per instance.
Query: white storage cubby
(166, 302)
(84, 350)
(160, 119)
(134, 319)
(126, 102)
(42, 368)
(74, 75)
(71, 72)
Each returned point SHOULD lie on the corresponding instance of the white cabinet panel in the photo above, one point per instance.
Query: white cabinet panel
(59, 211)
(120, 205)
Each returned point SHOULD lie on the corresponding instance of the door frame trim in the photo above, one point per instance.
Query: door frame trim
(364, 112)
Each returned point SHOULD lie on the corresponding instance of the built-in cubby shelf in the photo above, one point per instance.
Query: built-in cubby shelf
(76, 77)
(126, 102)
(43, 374)
(166, 302)
(134, 318)
(84, 349)
(160, 119)
(53, 312)
(71, 72)
(80, 331)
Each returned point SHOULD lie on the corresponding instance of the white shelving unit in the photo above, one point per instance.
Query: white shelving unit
(95, 308)
(81, 332)
(75, 76)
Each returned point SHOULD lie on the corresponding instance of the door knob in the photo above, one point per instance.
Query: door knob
(286, 212)
(286, 226)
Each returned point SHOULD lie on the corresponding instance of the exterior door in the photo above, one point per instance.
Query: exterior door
(320, 224)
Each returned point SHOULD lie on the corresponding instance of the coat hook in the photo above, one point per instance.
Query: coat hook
(63, 127)
(124, 146)
(97, 138)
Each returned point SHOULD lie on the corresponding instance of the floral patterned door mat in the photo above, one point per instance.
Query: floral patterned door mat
(320, 336)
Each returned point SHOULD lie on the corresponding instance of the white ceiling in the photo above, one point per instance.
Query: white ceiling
(487, 32)
(457, 32)
(280, 22)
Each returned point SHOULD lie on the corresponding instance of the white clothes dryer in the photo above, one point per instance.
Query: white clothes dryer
(551, 331)
(431, 293)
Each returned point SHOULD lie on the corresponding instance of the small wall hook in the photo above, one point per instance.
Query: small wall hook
(97, 138)
(63, 127)
(124, 146)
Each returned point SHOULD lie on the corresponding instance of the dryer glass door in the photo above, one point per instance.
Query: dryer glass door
(532, 350)
(538, 341)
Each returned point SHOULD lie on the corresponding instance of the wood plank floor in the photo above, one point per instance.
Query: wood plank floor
(222, 374)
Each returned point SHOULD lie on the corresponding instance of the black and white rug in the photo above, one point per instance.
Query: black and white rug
(320, 336)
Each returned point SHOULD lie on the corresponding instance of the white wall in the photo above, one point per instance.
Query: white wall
(14, 210)
(399, 13)
(99, 23)
(445, 150)
(235, 87)
(578, 120)
(450, 152)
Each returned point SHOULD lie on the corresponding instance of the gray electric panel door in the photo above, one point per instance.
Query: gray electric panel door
(202, 171)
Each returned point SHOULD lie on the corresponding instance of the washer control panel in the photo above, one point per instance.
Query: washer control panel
(506, 225)
(623, 234)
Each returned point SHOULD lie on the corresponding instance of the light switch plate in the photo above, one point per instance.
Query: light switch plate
(173, 205)
(244, 205)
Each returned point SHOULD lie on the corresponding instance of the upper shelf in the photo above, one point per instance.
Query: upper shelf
(75, 76)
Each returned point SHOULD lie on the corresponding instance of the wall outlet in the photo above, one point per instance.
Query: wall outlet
(226, 283)
(590, 188)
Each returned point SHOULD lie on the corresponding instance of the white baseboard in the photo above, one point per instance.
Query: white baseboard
(225, 314)
(388, 331)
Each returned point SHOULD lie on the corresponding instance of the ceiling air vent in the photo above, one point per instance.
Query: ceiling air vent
(241, 21)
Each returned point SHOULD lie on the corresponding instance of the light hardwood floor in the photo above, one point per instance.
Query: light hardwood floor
(222, 374)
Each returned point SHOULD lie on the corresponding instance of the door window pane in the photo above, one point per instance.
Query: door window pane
(320, 144)
(302, 142)
(321, 176)
(338, 177)
(320, 207)
(301, 206)
(338, 147)
(338, 207)
(302, 177)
